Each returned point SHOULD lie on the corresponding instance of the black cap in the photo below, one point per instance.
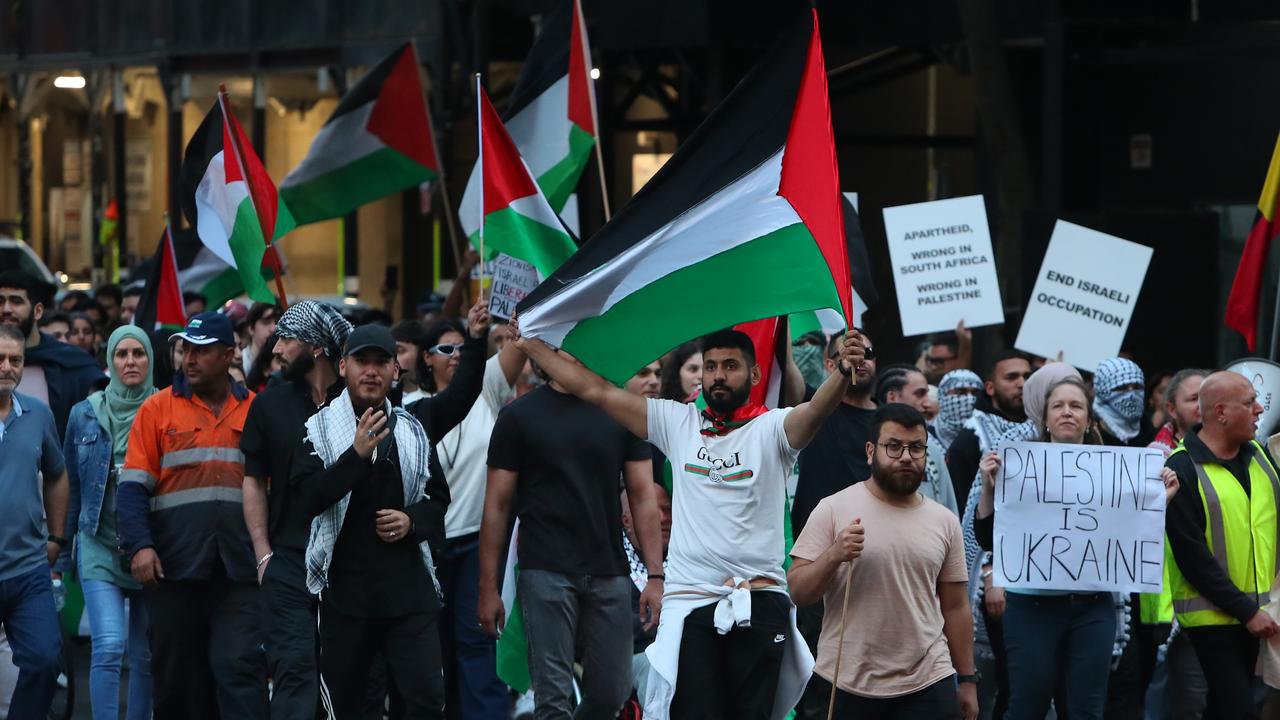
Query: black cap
(208, 328)
(371, 336)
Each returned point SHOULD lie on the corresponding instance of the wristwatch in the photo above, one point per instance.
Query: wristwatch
(975, 678)
(58, 540)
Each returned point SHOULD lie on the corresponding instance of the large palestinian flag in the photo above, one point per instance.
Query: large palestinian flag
(551, 116)
(377, 142)
(744, 222)
(1242, 304)
(517, 219)
(231, 202)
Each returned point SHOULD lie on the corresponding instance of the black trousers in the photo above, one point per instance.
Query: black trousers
(935, 702)
(411, 645)
(733, 675)
(289, 620)
(1228, 655)
(206, 651)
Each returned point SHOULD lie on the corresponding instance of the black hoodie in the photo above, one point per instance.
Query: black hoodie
(70, 374)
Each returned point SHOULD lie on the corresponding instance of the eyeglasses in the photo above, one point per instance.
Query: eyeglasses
(894, 449)
(445, 349)
(934, 361)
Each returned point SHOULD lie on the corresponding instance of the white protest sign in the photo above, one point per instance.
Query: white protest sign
(512, 280)
(1084, 296)
(1079, 518)
(943, 267)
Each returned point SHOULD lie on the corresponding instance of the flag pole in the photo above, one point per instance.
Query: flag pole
(595, 116)
(435, 150)
(274, 263)
(480, 164)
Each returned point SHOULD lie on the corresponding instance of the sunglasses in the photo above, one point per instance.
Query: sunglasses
(445, 349)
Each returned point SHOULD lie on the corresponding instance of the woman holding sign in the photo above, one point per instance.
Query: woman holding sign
(1059, 643)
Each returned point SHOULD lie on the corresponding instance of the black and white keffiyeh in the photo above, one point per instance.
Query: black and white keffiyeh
(954, 410)
(1120, 410)
(317, 324)
(331, 431)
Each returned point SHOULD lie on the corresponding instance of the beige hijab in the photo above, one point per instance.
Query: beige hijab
(1035, 390)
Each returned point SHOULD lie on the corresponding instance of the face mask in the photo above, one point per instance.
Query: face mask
(808, 359)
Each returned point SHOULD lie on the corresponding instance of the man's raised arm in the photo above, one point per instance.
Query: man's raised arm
(802, 423)
(627, 409)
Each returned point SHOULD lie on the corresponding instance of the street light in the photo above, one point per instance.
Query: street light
(69, 82)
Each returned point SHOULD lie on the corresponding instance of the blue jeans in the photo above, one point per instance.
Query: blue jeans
(104, 604)
(474, 690)
(31, 622)
(1059, 649)
(564, 613)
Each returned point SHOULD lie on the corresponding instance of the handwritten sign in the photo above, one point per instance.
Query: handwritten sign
(512, 280)
(943, 267)
(1084, 296)
(1079, 518)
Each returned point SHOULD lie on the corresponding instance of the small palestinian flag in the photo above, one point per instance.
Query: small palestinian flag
(231, 202)
(161, 302)
(1242, 304)
(517, 219)
(552, 116)
(377, 142)
(744, 222)
(199, 270)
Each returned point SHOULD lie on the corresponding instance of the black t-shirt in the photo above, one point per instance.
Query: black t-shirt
(836, 459)
(273, 430)
(569, 456)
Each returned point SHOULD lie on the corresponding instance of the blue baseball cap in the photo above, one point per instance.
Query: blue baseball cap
(207, 328)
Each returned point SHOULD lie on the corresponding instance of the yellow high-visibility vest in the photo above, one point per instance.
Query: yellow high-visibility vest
(1240, 530)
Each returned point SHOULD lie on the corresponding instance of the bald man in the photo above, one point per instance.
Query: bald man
(1222, 531)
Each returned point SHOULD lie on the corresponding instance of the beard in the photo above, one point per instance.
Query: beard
(299, 367)
(726, 404)
(894, 480)
(25, 325)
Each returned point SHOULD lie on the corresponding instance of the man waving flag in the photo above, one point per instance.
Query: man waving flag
(229, 199)
(745, 220)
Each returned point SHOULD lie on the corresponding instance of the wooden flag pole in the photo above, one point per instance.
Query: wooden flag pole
(435, 150)
(274, 262)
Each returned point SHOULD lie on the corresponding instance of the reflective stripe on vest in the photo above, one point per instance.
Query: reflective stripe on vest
(1216, 537)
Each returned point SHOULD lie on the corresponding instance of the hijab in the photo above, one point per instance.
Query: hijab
(1036, 390)
(116, 406)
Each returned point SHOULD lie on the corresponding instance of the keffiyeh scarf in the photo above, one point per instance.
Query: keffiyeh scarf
(1120, 410)
(331, 431)
(315, 323)
(954, 410)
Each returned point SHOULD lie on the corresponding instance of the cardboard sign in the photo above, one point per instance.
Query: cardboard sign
(1079, 518)
(1084, 296)
(512, 280)
(943, 267)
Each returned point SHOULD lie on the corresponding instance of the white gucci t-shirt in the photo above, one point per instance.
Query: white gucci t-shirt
(728, 495)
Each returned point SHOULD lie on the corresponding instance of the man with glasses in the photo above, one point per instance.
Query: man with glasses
(883, 554)
(948, 351)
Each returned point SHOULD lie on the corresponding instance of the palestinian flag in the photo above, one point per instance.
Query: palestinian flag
(1242, 304)
(199, 270)
(744, 222)
(161, 302)
(377, 142)
(231, 202)
(517, 219)
(552, 114)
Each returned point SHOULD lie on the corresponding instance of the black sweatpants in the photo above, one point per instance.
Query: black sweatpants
(935, 702)
(733, 675)
(206, 650)
(289, 621)
(411, 645)
(1228, 655)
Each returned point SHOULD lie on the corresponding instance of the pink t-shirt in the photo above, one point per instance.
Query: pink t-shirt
(894, 644)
